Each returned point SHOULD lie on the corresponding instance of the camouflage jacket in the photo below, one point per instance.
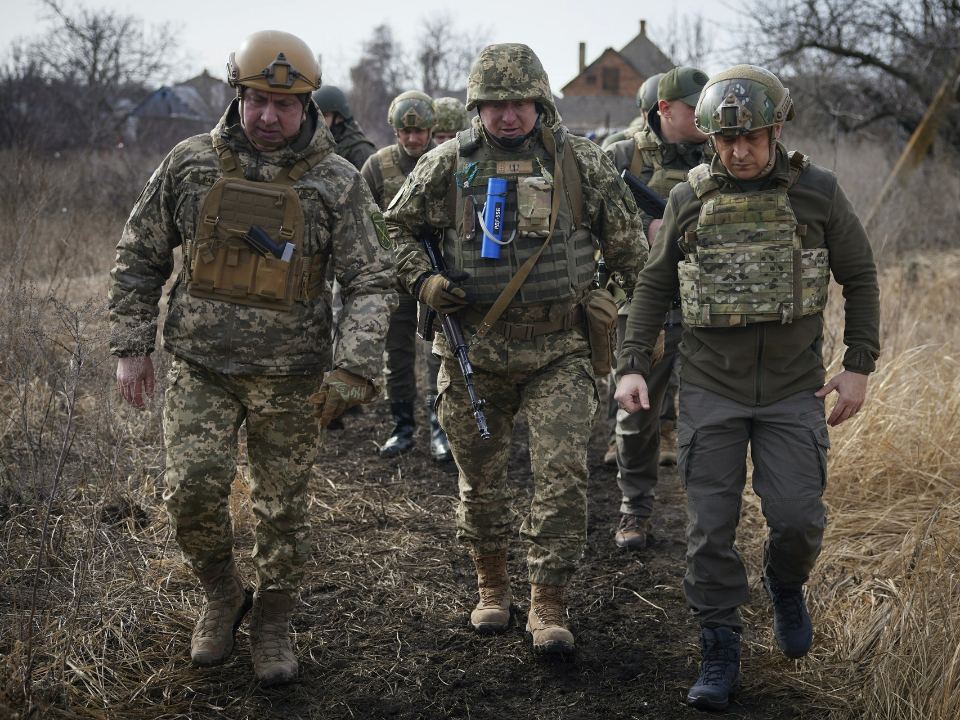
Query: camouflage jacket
(764, 362)
(608, 209)
(340, 219)
(352, 145)
(373, 174)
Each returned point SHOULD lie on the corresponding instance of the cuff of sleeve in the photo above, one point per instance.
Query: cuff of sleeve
(633, 364)
(859, 361)
(419, 283)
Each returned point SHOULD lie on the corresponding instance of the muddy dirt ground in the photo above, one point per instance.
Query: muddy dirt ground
(383, 629)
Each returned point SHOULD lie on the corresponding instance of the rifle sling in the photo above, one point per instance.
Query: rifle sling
(513, 287)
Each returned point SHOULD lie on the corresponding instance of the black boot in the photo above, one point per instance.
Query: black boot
(792, 626)
(401, 439)
(439, 447)
(719, 680)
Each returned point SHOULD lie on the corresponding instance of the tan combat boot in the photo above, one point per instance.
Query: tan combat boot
(270, 646)
(668, 443)
(492, 613)
(545, 621)
(225, 604)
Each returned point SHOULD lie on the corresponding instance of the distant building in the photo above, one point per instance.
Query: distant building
(604, 94)
(174, 113)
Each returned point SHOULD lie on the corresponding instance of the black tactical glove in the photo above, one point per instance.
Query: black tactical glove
(443, 291)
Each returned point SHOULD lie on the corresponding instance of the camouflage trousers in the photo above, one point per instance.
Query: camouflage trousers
(203, 412)
(402, 342)
(551, 380)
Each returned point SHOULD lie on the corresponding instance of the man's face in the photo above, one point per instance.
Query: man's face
(414, 140)
(509, 118)
(270, 116)
(330, 118)
(441, 137)
(682, 121)
(744, 156)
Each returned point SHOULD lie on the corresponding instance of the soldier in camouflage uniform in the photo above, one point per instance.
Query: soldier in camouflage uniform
(533, 355)
(413, 116)
(452, 117)
(660, 155)
(250, 331)
(750, 242)
(352, 145)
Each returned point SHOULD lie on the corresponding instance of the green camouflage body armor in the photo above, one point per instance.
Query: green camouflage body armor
(566, 268)
(222, 265)
(745, 262)
(648, 154)
(393, 177)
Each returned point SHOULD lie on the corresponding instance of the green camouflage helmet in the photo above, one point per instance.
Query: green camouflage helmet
(743, 99)
(412, 110)
(510, 71)
(330, 99)
(647, 94)
(451, 115)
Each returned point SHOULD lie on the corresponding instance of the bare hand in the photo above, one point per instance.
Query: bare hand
(134, 379)
(851, 390)
(631, 393)
(652, 232)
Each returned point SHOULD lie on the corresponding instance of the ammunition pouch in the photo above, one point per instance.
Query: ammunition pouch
(600, 314)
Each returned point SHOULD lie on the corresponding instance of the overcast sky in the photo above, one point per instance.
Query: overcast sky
(336, 30)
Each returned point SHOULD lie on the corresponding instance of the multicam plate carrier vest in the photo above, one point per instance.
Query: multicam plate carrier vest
(745, 262)
(222, 265)
(648, 154)
(393, 177)
(566, 268)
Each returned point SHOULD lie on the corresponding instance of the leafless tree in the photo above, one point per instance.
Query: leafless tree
(688, 42)
(379, 76)
(82, 70)
(444, 56)
(862, 65)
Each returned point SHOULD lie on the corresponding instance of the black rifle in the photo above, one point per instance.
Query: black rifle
(647, 200)
(450, 322)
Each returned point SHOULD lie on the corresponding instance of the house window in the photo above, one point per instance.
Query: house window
(611, 79)
(592, 79)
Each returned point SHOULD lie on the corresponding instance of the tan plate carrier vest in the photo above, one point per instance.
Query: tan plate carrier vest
(745, 262)
(224, 266)
(566, 267)
(393, 177)
(648, 154)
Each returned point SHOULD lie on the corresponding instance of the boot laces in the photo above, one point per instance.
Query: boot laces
(220, 605)
(717, 657)
(790, 604)
(274, 639)
(549, 608)
(492, 581)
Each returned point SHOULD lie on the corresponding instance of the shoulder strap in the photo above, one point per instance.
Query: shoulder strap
(572, 181)
(389, 167)
(798, 163)
(229, 160)
(702, 182)
(468, 141)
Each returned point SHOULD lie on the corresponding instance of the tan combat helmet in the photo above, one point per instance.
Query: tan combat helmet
(274, 61)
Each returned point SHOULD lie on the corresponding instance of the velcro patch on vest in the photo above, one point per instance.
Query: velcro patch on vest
(515, 167)
(380, 225)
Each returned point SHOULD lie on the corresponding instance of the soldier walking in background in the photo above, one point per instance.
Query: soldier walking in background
(452, 117)
(413, 116)
(352, 145)
(660, 155)
(259, 207)
(646, 99)
(749, 242)
(561, 198)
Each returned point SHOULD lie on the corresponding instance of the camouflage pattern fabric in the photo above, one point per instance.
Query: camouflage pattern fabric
(551, 379)
(742, 99)
(511, 71)
(383, 193)
(451, 115)
(341, 220)
(203, 411)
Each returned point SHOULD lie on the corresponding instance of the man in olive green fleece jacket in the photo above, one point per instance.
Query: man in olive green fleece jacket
(750, 241)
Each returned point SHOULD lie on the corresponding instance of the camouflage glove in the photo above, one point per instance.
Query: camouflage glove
(339, 391)
(443, 292)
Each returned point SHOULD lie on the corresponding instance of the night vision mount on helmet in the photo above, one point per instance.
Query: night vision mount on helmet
(412, 110)
(742, 99)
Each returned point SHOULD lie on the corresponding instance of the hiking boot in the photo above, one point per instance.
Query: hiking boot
(492, 613)
(719, 680)
(545, 621)
(668, 443)
(792, 626)
(270, 646)
(224, 605)
(401, 438)
(610, 457)
(632, 532)
(439, 447)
